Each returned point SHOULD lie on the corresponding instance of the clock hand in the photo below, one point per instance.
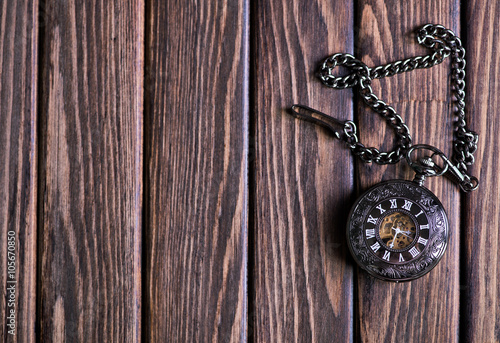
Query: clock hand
(405, 234)
(395, 235)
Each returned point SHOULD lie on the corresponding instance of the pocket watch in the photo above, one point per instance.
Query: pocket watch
(398, 230)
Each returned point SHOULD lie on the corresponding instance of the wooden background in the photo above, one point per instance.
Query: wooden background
(159, 190)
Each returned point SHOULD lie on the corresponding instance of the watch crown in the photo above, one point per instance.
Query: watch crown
(427, 161)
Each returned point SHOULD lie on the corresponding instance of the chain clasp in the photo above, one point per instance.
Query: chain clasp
(310, 114)
(428, 166)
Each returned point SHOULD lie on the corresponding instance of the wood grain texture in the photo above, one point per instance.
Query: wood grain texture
(18, 167)
(426, 309)
(302, 177)
(219, 141)
(196, 158)
(91, 172)
(481, 289)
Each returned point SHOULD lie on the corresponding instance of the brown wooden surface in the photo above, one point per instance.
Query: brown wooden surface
(196, 160)
(302, 282)
(91, 172)
(481, 280)
(388, 312)
(160, 190)
(18, 174)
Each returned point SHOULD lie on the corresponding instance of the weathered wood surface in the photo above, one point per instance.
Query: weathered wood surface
(91, 172)
(196, 165)
(390, 312)
(231, 227)
(18, 173)
(302, 177)
(481, 238)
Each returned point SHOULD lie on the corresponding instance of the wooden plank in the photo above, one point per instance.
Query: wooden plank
(91, 181)
(481, 291)
(18, 169)
(425, 309)
(196, 158)
(302, 177)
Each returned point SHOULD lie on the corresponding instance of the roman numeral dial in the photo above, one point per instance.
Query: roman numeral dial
(396, 230)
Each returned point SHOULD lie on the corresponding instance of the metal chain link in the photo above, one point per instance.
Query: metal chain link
(444, 43)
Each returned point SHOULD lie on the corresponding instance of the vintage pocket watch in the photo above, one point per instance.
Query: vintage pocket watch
(398, 229)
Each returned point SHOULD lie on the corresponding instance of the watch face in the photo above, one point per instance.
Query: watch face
(397, 231)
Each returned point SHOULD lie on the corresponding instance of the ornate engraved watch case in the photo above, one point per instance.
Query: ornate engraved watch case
(397, 231)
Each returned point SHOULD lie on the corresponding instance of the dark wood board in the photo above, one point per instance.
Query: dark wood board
(301, 177)
(426, 309)
(481, 257)
(91, 172)
(196, 168)
(18, 169)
